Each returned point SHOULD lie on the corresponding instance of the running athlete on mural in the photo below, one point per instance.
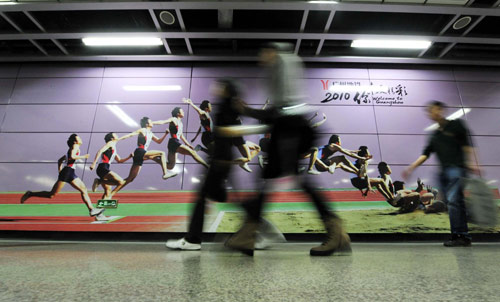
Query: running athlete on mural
(141, 153)
(363, 182)
(107, 178)
(68, 175)
(247, 149)
(174, 143)
(206, 125)
(322, 158)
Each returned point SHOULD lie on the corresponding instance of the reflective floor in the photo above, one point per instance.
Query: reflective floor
(132, 271)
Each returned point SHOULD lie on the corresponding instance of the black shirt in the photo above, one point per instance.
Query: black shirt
(225, 115)
(448, 144)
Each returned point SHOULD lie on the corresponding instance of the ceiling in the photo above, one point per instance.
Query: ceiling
(234, 30)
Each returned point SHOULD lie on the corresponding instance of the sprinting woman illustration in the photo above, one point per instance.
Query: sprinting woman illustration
(68, 175)
(107, 154)
(144, 137)
(175, 143)
(206, 125)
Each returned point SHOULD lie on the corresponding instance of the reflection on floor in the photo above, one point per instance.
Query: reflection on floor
(147, 271)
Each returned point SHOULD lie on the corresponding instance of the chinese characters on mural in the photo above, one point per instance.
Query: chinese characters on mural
(345, 91)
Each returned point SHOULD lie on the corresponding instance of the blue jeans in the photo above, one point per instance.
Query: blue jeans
(452, 186)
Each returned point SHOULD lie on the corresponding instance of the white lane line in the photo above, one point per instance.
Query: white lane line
(215, 224)
(110, 219)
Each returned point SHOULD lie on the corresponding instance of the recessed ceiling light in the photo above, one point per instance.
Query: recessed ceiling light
(395, 44)
(462, 22)
(167, 17)
(129, 41)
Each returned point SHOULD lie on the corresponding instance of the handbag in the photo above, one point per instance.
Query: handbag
(480, 203)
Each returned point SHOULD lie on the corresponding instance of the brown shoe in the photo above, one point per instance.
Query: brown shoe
(244, 239)
(337, 240)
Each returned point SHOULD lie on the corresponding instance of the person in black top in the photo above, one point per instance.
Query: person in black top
(214, 185)
(291, 137)
(452, 145)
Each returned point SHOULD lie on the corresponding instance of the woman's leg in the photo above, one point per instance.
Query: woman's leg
(345, 164)
(44, 194)
(107, 191)
(185, 150)
(172, 159)
(159, 157)
(112, 178)
(78, 184)
(254, 149)
(134, 171)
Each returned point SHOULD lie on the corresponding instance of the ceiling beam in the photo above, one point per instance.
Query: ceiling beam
(304, 20)
(41, 28)
(257, 5)
(183, 28)
(194, 58)
(158, 28)
(302, 28)
(19, 29)
(251, 35)
(325, 30)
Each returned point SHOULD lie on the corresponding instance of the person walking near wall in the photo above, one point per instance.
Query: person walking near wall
(291, 137)
(452, 145)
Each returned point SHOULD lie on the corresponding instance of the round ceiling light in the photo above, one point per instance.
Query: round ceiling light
(462, 22)
(167, 17)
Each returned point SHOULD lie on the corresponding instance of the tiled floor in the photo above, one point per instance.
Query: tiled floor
(125, 271)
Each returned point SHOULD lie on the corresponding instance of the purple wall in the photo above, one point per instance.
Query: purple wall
(40, 105)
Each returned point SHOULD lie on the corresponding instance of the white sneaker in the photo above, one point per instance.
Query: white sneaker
(182, 244)
(169, 174)
(261, 161)
(245, 167)
(197, 148)
(95, 184)
(102, 217)
(331, 169)
(95, 212)
(313, 172)
(302, 169)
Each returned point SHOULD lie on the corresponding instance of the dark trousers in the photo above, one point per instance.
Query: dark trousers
(214, 187)
(291, 137)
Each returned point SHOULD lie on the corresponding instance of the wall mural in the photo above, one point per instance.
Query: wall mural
(142, 144)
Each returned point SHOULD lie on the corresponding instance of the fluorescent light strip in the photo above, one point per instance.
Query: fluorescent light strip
(392, 44)
(152, 88)
(457, 114)
(323, 2)
(130, 41)
(123, 116)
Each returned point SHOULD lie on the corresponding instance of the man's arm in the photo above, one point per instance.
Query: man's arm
(409, 170)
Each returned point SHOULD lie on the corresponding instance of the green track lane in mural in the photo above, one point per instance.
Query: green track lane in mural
(168, 209)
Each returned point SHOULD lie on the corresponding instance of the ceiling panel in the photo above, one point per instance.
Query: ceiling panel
(95, 21)
(225, 30)
(393, 23)
(267, 20)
